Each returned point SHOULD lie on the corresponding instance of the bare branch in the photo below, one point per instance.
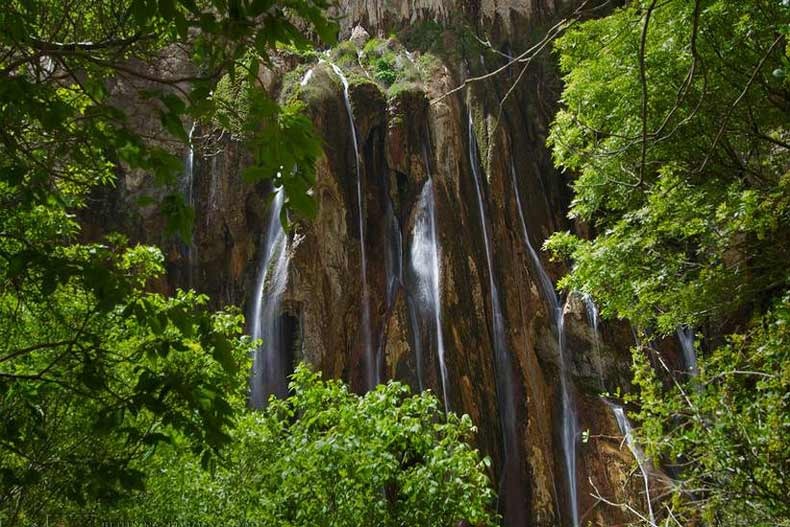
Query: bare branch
(528, 54)
(735, 103)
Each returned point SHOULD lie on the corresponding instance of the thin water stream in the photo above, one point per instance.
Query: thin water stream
(188, 191)
(594, 319)
(425, 263)
(270, 363)
(370, 360)
(686, 338)
(510, 485)
(627, 430)
(569, 421)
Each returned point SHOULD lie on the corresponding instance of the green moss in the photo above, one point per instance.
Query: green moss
(378, 58)
(386, 62)
(291, 83)
(429, 65)
(403, 87)
(307, 55)
(344, 54)
(355, 79)
(372, 47)
(322, 85)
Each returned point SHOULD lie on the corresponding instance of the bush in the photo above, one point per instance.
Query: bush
(326, 456)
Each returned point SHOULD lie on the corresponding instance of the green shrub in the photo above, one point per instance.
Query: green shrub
(326, 456)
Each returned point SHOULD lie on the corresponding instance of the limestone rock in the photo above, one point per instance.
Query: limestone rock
(404, 140)
(359, 36)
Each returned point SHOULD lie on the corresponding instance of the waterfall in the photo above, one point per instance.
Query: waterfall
(545, 282)
(188, 191)
(593, 319)
(569, 422)
(307, 76)
(514, 498)
(189, 167)
(686, 338)
(370, 362)
(425, 262)
(627, 430)
(414, 320)
(270, 364)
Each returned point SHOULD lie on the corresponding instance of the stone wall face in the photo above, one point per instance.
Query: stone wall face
(405, 139)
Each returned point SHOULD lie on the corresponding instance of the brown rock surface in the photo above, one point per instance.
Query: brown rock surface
(324, 285)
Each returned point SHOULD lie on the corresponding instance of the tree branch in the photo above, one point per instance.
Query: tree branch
(643, 82)
(735, 103)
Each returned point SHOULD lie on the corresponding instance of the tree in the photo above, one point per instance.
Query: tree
(96, 368)
(675, 126)
(327, 457)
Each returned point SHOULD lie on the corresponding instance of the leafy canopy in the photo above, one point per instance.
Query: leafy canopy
(688, 194)
(675, 126)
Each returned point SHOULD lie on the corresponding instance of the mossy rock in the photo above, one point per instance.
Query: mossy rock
(405, 87)
(344, 54)
(409, 108)
(366, 96)
(291, 84)
(323, 85)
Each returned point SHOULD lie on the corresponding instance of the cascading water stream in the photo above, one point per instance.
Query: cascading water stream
(189, 165)
(514, 498)
(307, 76)
(270, 368)
(569, 422)
(425, 263)
(370, 362)
(188, 191)
(545, 282)
(414, 320)
(627, 430)
(593, 319)
(686, 338)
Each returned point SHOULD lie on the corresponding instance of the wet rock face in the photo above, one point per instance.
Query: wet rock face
(406, 138)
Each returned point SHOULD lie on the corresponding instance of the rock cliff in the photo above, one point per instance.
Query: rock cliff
(412, 134)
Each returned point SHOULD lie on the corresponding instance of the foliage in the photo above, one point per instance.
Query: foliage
(380, 56)
(62, 59)
(325, 456)
(729, 426)
(280, 136)
(683, 227)
(675, 126)
(345, 54)
(96, 368)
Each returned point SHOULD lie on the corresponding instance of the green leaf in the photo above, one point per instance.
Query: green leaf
(171, 121)
(253, 174)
